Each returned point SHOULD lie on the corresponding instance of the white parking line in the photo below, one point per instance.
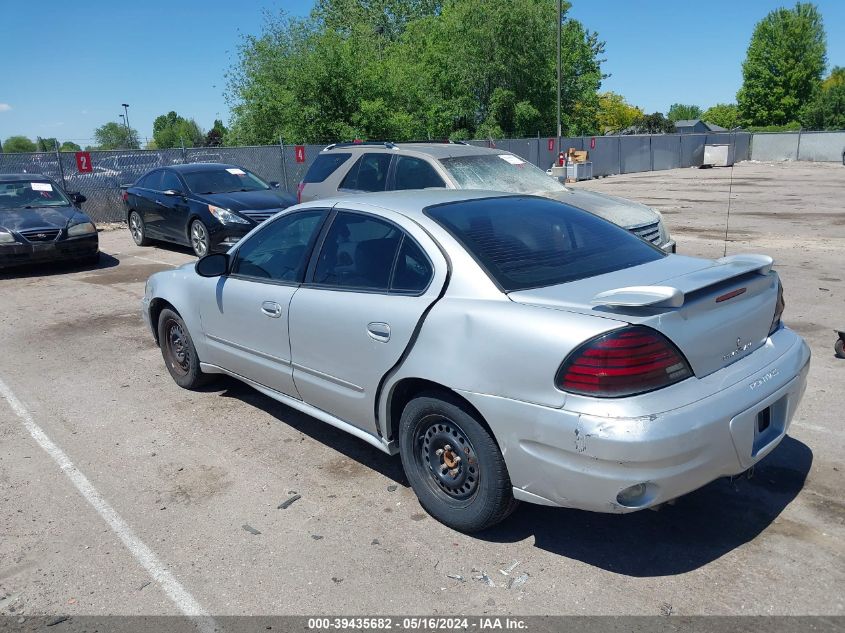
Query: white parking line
(155, 261)
(143, 554)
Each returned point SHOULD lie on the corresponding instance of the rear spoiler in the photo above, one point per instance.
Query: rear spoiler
(672, 296)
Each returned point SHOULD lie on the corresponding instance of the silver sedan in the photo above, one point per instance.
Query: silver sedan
(508, 347)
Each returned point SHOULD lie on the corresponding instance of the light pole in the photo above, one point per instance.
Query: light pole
(126, 120)
(559, 12)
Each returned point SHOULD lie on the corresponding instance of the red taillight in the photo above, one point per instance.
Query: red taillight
(624, 362)
(779, 306)
(299, 189)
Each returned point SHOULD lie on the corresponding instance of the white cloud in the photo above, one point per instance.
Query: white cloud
(5, 107)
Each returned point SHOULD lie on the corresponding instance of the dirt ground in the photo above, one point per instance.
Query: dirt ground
(189, 472)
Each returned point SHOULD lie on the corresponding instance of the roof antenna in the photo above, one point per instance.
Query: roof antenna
(730, 189)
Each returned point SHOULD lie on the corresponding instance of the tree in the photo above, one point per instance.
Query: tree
(783, 66)
(216, 134)
(18, 144)
(836, 78)
(826, 111)
(171, 130)
(615, 114)
(69, 146)
(403, 69)
(46, 144)
(654, 123)
(113, 135)
(683, 112)
(723, 114)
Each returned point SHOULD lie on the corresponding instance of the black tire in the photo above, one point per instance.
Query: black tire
(839, 348)
(471, 495)
(199, 239)
(138, 229)
(178, 351)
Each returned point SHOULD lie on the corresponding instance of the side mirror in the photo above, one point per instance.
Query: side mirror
(275, 184)
(172, 192)
(214, 265)
(77, 198)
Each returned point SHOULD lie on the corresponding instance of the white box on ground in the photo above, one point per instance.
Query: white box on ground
(718, 155)
(579, 171)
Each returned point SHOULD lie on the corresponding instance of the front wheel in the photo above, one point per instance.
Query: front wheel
(177, 348)
(839, 348)
(200, 241)
(453, 464)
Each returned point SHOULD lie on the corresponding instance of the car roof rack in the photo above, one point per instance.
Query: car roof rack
(391, 144)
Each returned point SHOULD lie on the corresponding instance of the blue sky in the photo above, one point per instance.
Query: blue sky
(74, 63)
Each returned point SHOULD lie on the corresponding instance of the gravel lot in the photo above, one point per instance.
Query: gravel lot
(187, 471)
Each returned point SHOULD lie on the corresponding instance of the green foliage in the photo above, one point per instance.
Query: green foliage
(615, 114)
(113, 135)
(724, 114)
(46, 144)
(171, 130)
(827, 110)
(412, 69)
(216, 135)
(69, 146)
(683, 112)
(783, 66)
(654, 123)
(18, 144)
(791, 126)
(836, 78)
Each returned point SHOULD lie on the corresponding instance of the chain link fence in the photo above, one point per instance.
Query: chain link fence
(287, 164)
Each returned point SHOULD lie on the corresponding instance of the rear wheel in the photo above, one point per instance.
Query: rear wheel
(453, 463)
(138, 229)
(199, 238)
(179, 352)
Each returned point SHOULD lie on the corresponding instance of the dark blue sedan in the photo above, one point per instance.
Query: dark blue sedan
(207, 206)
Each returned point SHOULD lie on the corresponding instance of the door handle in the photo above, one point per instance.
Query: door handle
(379, 331)
(271, 309)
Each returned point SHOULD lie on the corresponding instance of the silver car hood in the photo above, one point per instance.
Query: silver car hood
(620, 211)
(687, 299)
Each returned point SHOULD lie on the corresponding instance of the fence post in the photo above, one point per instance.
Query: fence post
(61, 167)
(651, 152)
(184, 153)
(798, 149)
(619, 147)
(284, 163)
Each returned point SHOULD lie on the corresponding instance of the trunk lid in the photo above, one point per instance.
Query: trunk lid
(715, 311)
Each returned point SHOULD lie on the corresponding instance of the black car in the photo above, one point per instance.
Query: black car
(207, 206)
(39, 223)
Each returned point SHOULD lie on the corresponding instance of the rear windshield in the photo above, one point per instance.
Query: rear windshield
(499, 172)
(324, 166)
(526, 242)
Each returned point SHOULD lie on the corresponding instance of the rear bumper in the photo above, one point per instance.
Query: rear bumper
(566, 458)
(19, 254)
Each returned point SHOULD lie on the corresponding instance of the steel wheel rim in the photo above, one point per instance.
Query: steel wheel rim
(199, 238)
(135, 228)
(446, 458)
(178, 349)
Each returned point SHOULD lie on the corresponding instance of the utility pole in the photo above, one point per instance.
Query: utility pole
(128, 128)
(559, 131)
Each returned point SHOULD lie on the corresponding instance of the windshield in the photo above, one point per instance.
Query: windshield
(35, 193)
(499, 172)
(223, 180)
(526, 242)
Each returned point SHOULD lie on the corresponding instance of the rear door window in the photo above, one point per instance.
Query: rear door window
(369, 173)
(324, 166)
(413, 270)
(530, 242)
(358, 252)
(151, 181)
(415, 173)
